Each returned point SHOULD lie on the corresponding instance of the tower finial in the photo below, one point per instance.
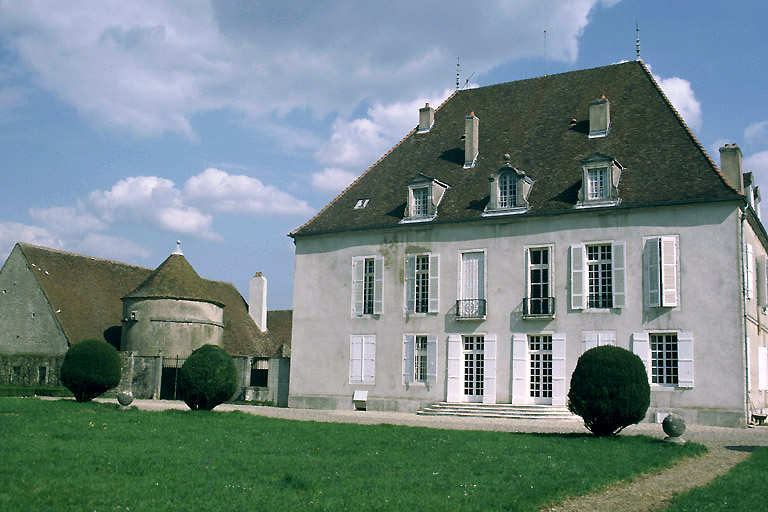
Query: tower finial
(637, 41)
(178, 248)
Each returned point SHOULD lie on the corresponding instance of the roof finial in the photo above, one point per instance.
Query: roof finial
(178, 248)
(637, 41)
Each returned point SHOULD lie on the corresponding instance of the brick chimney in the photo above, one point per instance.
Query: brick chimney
(730, 164)
(471, 123)
(426, 118)
(257, 301)
(599, 117)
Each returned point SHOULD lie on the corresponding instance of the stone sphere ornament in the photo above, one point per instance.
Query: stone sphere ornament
(674, 427)
(124, 398)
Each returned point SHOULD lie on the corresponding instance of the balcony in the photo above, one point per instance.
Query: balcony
(470, 309)
(543, 307)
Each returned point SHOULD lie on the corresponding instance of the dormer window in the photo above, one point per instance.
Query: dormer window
(424, 195)
(600, 175)
(509, 191)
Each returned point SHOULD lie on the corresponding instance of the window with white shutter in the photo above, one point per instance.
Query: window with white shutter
(362, 359)
(598, 276)
(422, 283)
(419, 358)
(367, 285)
(662, 271)
(668, 357)
(762, 281)
(749, 271)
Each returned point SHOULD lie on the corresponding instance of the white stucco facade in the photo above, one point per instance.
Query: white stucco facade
(707, 320)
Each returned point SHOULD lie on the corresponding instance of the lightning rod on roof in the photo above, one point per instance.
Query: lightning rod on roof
(545, 52)
(458, 73)
(637, 41)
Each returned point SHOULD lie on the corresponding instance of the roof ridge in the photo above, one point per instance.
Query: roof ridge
(22, 245)
(367, 170)
(687, 128)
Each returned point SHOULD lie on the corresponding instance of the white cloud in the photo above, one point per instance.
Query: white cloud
(12, 232)
(680, 93)
(148, 67)
(110, 247)
(66, 220)
(332, 179)
(215, 190)
(151, 200)
(757, 163)
(757, 133)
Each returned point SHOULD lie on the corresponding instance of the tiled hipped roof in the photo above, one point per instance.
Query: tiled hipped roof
(531, 120)
(87, 294)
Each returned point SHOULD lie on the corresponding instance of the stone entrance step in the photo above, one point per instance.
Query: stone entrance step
(508, 411)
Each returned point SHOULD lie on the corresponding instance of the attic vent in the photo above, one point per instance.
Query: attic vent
(362, 203)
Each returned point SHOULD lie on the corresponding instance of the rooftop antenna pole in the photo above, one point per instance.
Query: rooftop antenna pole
(637, 41)
(545, 52)
(458, 74)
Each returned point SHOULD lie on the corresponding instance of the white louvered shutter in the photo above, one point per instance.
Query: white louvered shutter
(489, 365)
(558, 369)
(358, 269)
(454, 368)
(685, 359)
(578, 285)
(619, 275)
(669, 271)
(762, 284)
(590, 339)
(431, 358)
(434, 283)
(520, 391)
(378, 290)
(653, 272)
(410, 283)
(408, 357)
(749, 271)
(641, 347)
(369, 359)
(356, 359)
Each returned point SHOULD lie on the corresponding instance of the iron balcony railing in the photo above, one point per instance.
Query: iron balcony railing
(538, 307)
(470, 308)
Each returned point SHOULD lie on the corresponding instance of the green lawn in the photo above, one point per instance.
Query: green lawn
(63, 455)
(742, 488)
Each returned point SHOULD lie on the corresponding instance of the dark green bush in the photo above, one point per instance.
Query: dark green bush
(90, 368)
(207, 378)
(609, 390)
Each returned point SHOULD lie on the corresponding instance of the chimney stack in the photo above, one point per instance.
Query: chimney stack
(257, 301)
(426, 118)
(730, 164)
(471, 123)
(599, 117)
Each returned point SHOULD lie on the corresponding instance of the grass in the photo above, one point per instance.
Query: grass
(742, 488)
(10, 390)
(63, 455)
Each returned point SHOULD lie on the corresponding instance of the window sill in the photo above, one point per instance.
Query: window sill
(414, 220)
(547, 316)
(501, 212)
(596, 204)
(467, 318)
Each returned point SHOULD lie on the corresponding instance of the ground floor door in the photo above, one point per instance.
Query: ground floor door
(540, 368)
(474, 368)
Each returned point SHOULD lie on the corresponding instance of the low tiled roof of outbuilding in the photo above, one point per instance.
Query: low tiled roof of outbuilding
(543, 124)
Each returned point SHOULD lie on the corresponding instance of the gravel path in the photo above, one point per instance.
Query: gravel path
(727, 447)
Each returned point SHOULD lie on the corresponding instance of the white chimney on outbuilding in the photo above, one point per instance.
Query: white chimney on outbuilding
(257, 301)
(730, 164)
(471, 137)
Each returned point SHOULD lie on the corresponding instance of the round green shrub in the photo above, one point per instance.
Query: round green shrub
(609, 390)
(90, 368)
(207, 378)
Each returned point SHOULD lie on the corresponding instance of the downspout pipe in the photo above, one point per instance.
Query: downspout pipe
(745, 312)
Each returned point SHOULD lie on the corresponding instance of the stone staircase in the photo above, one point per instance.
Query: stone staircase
(506, 411)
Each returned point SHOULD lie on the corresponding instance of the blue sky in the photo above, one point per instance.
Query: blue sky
(125, 126)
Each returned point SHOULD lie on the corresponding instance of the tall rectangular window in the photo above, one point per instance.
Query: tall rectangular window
(597, 188)
(507, 190)
(369, 280)
(422, 283)
(664, 358)
(367, 285)
(420, 202)
(540, 353)
(539, 281)
(600, 276)
(420, 359)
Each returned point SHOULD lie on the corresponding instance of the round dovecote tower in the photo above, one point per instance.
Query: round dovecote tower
(171, 313)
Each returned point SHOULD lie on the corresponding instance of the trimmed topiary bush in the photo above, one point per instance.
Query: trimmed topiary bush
(609, 390)
(207, 378)
(90, 368)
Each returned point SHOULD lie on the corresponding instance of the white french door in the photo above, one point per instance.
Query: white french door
(540, 357)
(474, 368)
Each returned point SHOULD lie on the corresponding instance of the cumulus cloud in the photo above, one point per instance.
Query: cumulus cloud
(148, 67)
(217, 191)
(12, 232)
(758, 164)
(67, 220)
(680, 93)
(332, 179)
(757, 133)
(110, 247)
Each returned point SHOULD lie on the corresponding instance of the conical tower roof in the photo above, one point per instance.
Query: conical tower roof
(175, 279)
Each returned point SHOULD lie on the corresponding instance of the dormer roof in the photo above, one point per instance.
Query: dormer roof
(532, 121)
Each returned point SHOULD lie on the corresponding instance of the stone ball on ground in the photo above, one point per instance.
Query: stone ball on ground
(125, 398)
(673, 425)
